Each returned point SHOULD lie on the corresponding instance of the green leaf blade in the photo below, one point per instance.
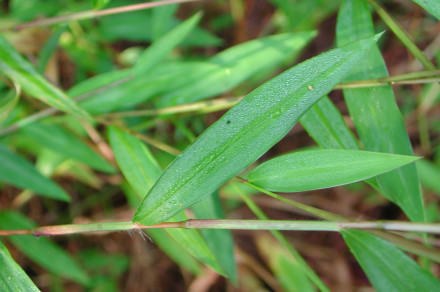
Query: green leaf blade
(17, 68)
(375, 113)
(12, 277)
(387, 267)
(245, 132)
(21, 173)
(318, 169)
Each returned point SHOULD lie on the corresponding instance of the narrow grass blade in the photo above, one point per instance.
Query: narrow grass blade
(429, 175)
(12, 277)
(326, 126)
(66, 144)
(288, 272)
(17, 68)
(245, 132)
(387, 267)
(432, 6)
(49, 48)
(219, 241)
(21, 173)
(163, 46)
(8, 102)
(375, 113)
(141, 171)
(237, 64)
(41, 250)
(318, 169)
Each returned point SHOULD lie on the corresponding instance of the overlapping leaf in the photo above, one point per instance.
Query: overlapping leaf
(375, 113)
(432, 6)
(245, 132)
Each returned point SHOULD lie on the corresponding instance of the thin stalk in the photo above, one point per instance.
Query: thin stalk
(433, 228)
(312, 210)
(214, 105)
(285, 243)
(197, 107)
(402, 35)
(93, 14)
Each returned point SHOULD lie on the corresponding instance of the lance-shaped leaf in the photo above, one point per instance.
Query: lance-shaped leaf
(387, 267)
(318, 169)
(375, 113)
(12, 277)
(17, 68)
(21, 173)
(246, 132)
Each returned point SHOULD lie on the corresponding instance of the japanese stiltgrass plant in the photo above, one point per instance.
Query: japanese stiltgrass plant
(157, 130)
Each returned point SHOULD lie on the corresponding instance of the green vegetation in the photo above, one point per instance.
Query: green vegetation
(160, 133)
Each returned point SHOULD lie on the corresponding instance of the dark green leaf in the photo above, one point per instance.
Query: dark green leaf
(19, 172)
(42, 250)
(245, 132)
(12, 277)
(387, 267)
(375, 113)
(318, 169)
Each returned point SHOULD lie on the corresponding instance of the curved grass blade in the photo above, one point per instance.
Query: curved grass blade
(245, 132)
(12, 277)
(66, 144)
(141, 171)
(41, 250)
(375, 113)
(285, 268)
(387, 267)
(326, 126)
(8, 102)
(163, 46)
(17, 68)
(318, 169)
(19, 172)
(220, 241)
(432, 6)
